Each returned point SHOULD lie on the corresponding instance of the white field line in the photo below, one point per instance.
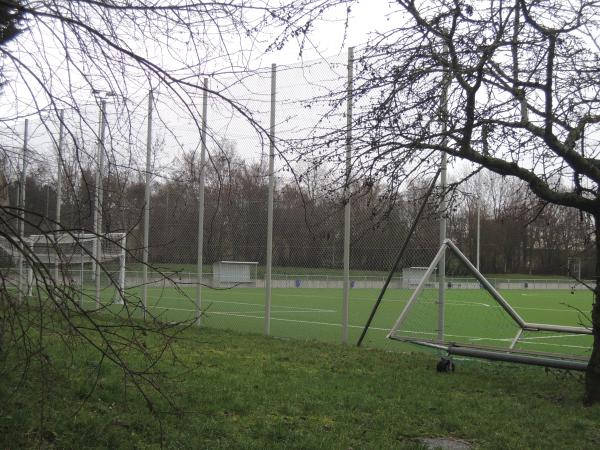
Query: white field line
(518, 308)
(555, 336)
(525, 339)
(337, 325)
(273, 311)
(531, 338)
(293, 309)
(228, 302)
(241, 314)
(454, 303)
(448, 303)
(550, 344)
(299, 311)
(484, 305)
(535, 340)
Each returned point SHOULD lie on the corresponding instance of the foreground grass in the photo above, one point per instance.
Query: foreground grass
(251, 392)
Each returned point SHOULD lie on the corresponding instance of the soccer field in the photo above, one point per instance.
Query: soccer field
(472, 316)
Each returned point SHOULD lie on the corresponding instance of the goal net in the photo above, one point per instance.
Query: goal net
(464, 313)
(68, 257)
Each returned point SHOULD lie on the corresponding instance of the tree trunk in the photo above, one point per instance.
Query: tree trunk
(592, 375)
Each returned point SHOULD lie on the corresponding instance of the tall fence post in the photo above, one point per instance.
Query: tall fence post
(443, 213)
(145, 254)
(59, 157)
(201, 204)
(269, 261)
(347, 194)
(21, 204)
(99, 197)
(478, 230)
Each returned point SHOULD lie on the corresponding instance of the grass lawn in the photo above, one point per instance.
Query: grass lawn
(245, 391)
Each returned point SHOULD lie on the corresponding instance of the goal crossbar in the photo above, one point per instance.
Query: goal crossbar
(65, 248)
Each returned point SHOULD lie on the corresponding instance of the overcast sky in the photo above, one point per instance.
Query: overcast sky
(327, 37)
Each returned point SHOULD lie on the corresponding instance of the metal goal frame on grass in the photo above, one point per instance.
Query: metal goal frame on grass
(511, 354)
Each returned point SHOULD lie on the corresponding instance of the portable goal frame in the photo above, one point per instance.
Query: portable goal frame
(510, 354)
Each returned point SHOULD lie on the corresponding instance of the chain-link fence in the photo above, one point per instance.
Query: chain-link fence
(185, 187)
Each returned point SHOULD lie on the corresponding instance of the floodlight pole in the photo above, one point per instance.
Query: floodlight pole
(21, 204)
(347, 206)
(99, 195)
(201, 204)
(269, 261)
(59, 157)
(145, 253)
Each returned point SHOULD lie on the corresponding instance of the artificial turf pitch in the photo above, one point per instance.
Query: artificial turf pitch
(316, 314)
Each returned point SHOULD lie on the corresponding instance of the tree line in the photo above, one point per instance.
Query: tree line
(518, 232)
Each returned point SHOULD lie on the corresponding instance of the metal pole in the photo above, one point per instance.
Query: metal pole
(398, 258)
(120, 299)
(81, 272)
(201, 204)
(98, 208)
(59, 156)
(478, 230)
(347, 206)
(443, 213)
(269, 267)
(147, 205)
(442, 263)
(22, 209)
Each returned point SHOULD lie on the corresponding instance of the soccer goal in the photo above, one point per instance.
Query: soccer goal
(67, 257)
(234, 274)
(463, 314)
(574, 267)
(412, 275)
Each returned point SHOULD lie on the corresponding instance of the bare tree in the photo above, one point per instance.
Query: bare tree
(512, 86)
(71, 56)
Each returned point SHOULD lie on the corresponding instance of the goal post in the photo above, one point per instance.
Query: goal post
(574, 267)
(412, 275)
(69, 253)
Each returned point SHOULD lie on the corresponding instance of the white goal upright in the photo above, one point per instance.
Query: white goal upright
(67, 253)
